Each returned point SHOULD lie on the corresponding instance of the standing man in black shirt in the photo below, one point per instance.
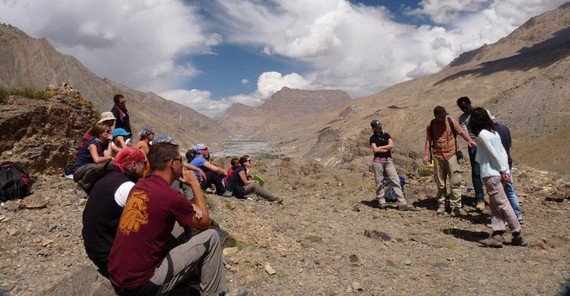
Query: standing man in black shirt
(381, 144)
(121, 113)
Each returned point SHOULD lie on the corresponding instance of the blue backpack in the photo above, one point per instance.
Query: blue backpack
(389, 194)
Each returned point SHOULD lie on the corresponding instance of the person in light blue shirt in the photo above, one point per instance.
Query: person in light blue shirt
(214, 173)
(493, 161)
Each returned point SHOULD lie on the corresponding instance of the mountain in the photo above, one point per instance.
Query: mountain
(286, 116)
(26, 61)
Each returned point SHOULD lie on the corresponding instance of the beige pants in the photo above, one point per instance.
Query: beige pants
(501, 209)
(388, 170)
(448, 170)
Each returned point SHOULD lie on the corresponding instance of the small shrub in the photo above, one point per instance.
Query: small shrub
(425, 172)
(29, 92)
(4, 93)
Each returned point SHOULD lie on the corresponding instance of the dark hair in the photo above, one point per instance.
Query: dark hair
(234, 162)
(480, 120)
(463, 100)
(98, 129)
(190, 154)
(117, 97)
(243, 159)
(160, 154)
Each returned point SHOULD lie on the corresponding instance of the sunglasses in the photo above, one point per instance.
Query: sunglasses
(179, 159)
(249, 160)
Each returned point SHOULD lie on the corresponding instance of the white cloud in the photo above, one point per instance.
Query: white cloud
(244, 81)
(271, 82)
(447, 11)
(199, 100)
(360, 48)
(133, 42)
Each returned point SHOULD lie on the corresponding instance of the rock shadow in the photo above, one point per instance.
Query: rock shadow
(468, 235)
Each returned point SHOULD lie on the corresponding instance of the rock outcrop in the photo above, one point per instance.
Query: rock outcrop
(42, 134)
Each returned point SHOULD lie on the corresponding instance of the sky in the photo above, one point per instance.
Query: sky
(209, 54)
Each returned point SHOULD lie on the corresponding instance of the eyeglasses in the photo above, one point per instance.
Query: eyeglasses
(179, 159)
(108, 131)
(249, 160)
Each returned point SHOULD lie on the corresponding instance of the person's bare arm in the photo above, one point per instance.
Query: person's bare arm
(201, 220)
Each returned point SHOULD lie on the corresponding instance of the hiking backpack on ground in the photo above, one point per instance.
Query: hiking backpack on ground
(14, 181)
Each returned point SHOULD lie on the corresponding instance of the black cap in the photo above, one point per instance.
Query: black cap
(439, 111)
(375, 123)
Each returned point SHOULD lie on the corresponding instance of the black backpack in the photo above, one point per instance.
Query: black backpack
(14, 181)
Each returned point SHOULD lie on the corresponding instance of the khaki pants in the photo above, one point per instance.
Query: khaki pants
(201, 255)
(444, 170)
(501, 209)
(388, 170)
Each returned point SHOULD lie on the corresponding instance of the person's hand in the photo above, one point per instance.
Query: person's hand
(472, 143)
(505, 177)
(202, 175)
(188, 177)
(425, 160)
(198, 212)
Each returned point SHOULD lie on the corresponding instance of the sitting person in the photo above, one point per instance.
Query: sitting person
(146, 137)
(239, 185)
(106, 118)
(96, 150)
(235, 163)
(105, 205)
(118, 143)
(213, 172)
(145, 258)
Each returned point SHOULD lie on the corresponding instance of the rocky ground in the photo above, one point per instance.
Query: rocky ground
(315, 243)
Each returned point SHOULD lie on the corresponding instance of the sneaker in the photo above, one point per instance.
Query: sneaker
(480, 206)
(406, 207)
(277, 200)
(495, 241)
(69, 176)
(383, 206)
(520, 221)
(519, 241)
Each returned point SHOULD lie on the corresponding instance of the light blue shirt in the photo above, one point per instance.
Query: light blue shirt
(491, 154)
(198, 162)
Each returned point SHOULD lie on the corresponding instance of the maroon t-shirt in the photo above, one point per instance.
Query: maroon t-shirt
(144, 231)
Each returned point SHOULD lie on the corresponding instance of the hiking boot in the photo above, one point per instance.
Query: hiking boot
(458, 212)
(441, 211)
(406, 207)
(480, 206)
(383, 205)
(495, 241)
(519, 241)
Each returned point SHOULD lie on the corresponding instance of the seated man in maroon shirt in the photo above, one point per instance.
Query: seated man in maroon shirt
(145, 259)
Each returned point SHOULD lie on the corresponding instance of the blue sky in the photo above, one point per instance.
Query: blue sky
(208, 54)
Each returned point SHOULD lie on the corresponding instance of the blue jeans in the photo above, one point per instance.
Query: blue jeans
(513, 198)
(476, 175)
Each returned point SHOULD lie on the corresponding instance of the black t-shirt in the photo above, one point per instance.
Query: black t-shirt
(234, 180)
(101, 216)
(380, 139)
(125, 123)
